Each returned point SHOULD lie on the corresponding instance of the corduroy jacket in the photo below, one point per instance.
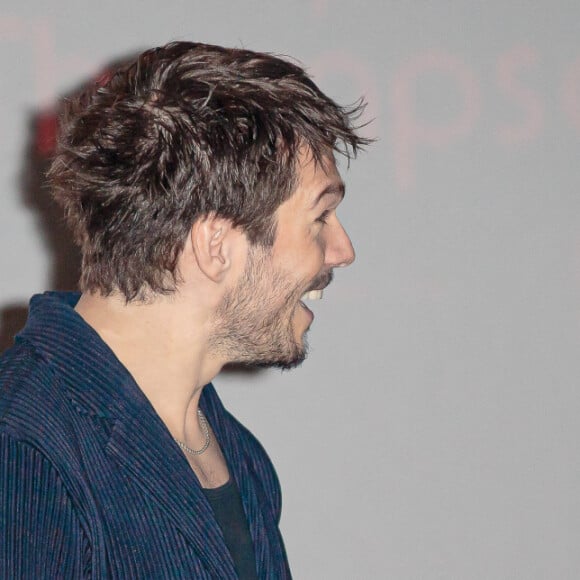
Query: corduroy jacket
(92, 483)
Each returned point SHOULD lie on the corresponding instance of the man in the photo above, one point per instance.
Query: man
(201, 186)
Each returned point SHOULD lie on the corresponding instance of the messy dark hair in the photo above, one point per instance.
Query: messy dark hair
(183, 131)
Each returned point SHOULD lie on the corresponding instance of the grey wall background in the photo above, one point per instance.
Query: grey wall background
(433, 433)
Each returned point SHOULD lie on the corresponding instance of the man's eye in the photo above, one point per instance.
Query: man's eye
(323, 217)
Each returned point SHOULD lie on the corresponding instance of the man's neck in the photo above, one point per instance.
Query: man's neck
(163, 344)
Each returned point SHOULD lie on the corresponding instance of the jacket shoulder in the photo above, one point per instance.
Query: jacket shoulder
(30, 395)
(23, 372)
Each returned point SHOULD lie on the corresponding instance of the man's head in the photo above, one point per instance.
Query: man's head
(185, 131)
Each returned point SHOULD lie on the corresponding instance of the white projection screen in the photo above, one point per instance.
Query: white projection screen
(433, 432)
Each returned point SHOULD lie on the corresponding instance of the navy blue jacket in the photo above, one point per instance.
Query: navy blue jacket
(92, 483)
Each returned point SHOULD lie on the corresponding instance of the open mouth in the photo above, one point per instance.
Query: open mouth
(311, 295)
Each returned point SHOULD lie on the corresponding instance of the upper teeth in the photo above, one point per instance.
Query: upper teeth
(312, 295)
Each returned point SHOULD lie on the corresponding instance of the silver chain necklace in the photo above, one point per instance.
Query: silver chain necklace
(205, 429)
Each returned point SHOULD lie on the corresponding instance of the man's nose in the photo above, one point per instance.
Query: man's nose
(339, 250)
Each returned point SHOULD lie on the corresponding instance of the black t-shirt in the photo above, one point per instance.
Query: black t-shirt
(227, 507)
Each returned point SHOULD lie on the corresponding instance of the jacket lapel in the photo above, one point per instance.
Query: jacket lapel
(157, 466)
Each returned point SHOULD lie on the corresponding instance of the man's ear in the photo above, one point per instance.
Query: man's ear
(213, 242)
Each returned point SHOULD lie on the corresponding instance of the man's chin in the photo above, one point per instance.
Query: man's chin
(278, 361)
(284, 365)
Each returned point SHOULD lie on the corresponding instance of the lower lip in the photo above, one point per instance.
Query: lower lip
(308, 311)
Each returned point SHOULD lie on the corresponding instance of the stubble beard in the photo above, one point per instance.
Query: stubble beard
(253, 325)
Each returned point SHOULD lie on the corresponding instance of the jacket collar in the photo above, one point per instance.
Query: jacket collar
(141, 444)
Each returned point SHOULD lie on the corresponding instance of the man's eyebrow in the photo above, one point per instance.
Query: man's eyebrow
(331, 189)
